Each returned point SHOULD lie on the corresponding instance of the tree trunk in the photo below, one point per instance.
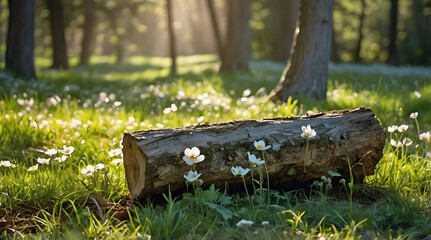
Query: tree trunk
(88, 31)
(286, 14)
(119, 45)
(334, 47)
(392, 48)
(360, 33)
(153, 158)
(59, 49)
(172, 49)
(216, 28)
(3, 32)
(236, 50)
(306, 73)
(20, 38)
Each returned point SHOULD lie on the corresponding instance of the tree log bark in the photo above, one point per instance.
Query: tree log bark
(153, 158)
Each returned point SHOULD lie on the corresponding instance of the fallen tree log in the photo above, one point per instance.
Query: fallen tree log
(153, 159)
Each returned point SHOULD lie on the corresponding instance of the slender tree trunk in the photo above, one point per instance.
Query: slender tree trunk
(216, 28)
(119, 45)
(20, 38)
(236, 51)
(286, 14)
(59, 47)
(392, 48)
(334, 47)
(88, 32)
(197, 24)
(306, 73)
(360, 33)
(172, 50)
(2, 32)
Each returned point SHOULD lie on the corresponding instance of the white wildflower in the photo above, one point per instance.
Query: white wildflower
(89, 170)
(43, 161)
(392, 128)
(425, 136)
(192, 176)
(100, 166)
(407, 141)
(192, 156)
(117, 161)
(115, 152)
(6, 163)
(60, 159)
(51, 152)
(260, 145)
(307, 132)
(33, 168)
(255, 161)
(396, 144)
(244, 223)
(403, 128)
(67, 150)
(239, 171)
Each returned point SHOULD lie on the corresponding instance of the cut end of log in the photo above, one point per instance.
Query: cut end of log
(135, 165)
(153, 158)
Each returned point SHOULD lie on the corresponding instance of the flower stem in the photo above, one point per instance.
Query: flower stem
(417, 126)
(246, 191)
(305, 156)
(252, 177)
(267, 174)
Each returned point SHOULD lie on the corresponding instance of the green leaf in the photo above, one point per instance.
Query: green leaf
(291, 172)
(334, 174)
(226, 213)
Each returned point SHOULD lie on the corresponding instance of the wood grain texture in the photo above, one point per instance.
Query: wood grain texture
(153, 158)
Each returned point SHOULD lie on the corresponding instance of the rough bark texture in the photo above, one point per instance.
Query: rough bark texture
(392, 48)
(216, 28)
(306, 73)
(236, 51)
(153, 158)
(59, 53)
(172, 50)
(20, 38)
(284, 15)
(88, 31)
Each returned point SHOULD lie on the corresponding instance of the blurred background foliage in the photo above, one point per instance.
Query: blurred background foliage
(127, 28)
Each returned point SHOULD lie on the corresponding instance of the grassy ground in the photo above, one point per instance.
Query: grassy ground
(90, 108)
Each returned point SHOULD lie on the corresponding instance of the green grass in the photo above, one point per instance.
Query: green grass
(90, 108)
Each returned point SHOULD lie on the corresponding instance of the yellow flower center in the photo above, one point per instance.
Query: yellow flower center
(193, 155)
(192, 176)
(259, 146)
(239, 171)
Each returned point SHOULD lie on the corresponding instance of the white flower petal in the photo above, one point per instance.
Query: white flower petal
(100, 166)
(196, 151)
(187, 160)
(234, 171)
(199, 159)
(267, 147)
(188, 152)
